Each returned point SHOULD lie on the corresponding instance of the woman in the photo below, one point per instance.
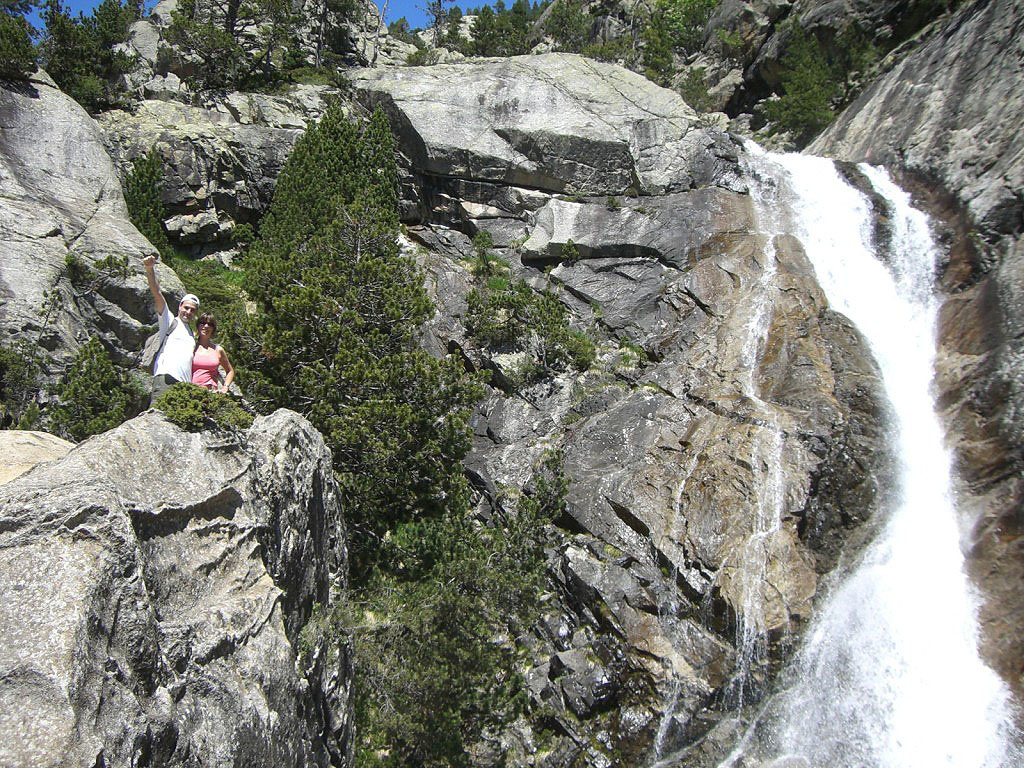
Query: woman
(209, 358)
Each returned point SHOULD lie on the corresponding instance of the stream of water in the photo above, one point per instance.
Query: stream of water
(889, 674)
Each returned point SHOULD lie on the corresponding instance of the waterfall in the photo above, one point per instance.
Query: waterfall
(889, 674)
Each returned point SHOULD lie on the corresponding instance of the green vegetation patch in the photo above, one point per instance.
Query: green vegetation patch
(94, 395)
(195, 408)
(83, 54)
(17, 56)
(505, 313)
(21, 370)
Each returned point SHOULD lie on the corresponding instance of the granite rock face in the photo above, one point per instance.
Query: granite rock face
(22, 450)
(61, 207)
(155, 583)
(947, 118)
(221, 159)
(725, 390)
(557, 123)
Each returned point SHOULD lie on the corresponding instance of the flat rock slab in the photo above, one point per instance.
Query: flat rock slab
(556, 122)
(22, 450)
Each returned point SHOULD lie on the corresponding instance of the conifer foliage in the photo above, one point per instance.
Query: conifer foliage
(82, 54)
(335, 335)
(17, 57)
(94, 395)
(142, 195)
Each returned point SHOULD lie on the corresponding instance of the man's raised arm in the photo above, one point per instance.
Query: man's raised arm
(154, 287)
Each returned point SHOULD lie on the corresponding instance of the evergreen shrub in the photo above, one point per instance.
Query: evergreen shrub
(20, 382)
(338, 312)
(142, 194)
(195, 408)
(94, 395)
(81, 55)
(17, 56)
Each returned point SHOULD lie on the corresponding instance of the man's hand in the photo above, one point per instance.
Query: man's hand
(154, 286)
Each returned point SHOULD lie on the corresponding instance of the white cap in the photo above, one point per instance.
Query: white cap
(191, 297)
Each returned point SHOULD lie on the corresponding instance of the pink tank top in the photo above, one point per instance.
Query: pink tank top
(205, 364)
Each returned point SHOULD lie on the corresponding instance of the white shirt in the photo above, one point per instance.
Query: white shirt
(175, 356)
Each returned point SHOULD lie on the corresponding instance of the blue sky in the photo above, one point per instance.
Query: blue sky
(411, 9)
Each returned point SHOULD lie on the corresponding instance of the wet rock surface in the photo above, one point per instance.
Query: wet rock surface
(155, 585)
(943, 117)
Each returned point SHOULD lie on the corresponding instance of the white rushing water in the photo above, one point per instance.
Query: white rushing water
(889, 675)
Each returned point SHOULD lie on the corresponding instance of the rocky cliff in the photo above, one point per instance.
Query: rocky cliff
(70, 261)
(667, 438)
(717, 360)
(155, 585)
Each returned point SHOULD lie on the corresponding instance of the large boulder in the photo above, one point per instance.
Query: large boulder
(70, 260)
(947, 118)
(156, 583)
(559, 123)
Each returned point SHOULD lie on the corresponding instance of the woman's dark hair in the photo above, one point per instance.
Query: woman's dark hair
(207, 317)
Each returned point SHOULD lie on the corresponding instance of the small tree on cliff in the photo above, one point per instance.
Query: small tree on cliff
(82, 55)
(335, 334)
(17, 57)
(236, 42)
(94, 395)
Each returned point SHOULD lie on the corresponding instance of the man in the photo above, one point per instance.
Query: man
(173, 362)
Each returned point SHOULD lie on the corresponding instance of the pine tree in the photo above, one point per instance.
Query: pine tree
(94, 395)
(142, 195)
(17, 57)
(335, 335)
(236, 42)
(21, 372)
(80, 54)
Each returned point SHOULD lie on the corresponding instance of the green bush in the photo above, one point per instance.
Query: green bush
(195, 408)
(674, 25)
(81, 54)
(93, 396)
(685, 21)
(809, 86)
(245, 44)
(506, 312)
(17, 56)
(423, 57)
(21, 372)
(569, 25)
(433, 640)
(694, 90)
(615, 49)
(142, 194)
(335, 331)
(399, 29)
